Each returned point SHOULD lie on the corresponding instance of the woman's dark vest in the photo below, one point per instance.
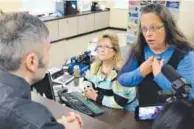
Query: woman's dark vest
(148, 88)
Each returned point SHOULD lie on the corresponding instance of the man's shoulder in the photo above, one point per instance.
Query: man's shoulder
(23, 104)
(32, 111)
(27, 112)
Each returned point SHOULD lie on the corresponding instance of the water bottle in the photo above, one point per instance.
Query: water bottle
(76, 74)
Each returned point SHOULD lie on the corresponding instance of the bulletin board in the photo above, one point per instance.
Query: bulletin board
(134, 12)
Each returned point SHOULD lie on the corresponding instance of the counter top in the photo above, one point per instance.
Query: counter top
(52, 18)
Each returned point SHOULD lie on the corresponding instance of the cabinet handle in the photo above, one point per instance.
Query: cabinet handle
(67, 21)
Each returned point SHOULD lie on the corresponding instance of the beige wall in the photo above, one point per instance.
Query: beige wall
(118, 17)
(10, 5)
(186, 20)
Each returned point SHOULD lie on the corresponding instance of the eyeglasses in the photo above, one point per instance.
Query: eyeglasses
(104, 47)
(151, 29)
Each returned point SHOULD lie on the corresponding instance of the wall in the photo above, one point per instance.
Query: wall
(118, 17)
(186, 20)
(38, 6)
(10, 5)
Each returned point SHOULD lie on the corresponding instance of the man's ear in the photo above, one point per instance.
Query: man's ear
(31, 62)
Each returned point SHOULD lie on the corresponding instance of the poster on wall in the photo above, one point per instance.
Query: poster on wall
(134, 13)
(133, 20)
(173, 7)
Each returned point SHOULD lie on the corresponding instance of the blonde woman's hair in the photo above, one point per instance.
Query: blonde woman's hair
(118, 59)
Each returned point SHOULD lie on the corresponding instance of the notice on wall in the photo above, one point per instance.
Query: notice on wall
(173, 7)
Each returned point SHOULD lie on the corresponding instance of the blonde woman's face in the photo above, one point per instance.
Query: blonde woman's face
(105, 50)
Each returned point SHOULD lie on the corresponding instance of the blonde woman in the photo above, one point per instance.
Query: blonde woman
(100, 81)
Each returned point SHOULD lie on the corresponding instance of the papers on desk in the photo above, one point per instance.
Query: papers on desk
(58, 76)
(72, 88)
(53, 70)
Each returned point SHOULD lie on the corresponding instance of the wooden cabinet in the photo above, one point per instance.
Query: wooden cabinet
(90, 22)
(53, 29)
(101, 20)
(85, 23)
(68, 27)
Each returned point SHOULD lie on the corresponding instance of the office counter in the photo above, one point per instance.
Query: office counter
(117, 118)
(120, 119)
(111, 119)
(59, 110)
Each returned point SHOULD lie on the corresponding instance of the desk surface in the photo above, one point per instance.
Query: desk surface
(58, 110)
(111, 119)
(120, 119)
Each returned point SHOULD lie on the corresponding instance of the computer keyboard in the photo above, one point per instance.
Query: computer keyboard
(78, 102)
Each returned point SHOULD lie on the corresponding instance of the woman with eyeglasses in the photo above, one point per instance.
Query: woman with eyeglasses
(159, 42)
(100, 81)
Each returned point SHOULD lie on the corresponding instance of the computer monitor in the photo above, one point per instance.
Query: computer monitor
(53, 82)
(70, 7)
(45, 87)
